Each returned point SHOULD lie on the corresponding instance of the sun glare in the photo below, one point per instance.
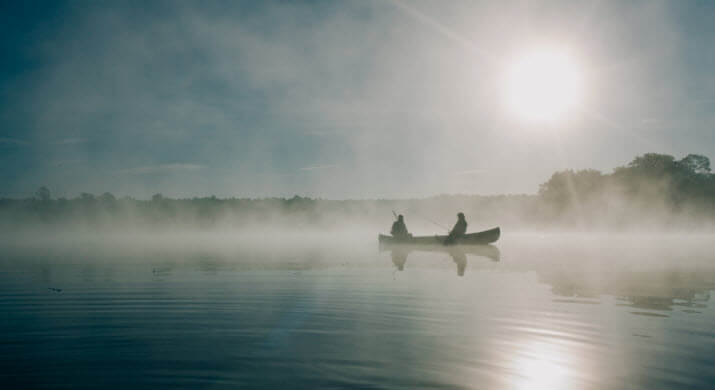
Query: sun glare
(541, 365)
(543, 85)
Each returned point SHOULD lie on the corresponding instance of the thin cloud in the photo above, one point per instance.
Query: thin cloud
(317, 167)
(469, 172)
(319, 133)
(162, 169)
(13, 142)
(71, 141)
(60, 163)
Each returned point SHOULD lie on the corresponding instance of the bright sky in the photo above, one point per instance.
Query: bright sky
(356, 99)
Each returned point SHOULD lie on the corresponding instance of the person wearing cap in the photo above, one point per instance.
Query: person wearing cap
(399, 229)
(459, 229)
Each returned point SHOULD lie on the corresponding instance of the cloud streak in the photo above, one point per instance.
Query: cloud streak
(162, 169)
(469, 172)
(13, 142)
(72, 141)
(319, 167)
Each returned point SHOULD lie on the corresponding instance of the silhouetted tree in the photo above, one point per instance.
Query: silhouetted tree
(107, 197)
(650, 182)
(653, 164)
(565, 187)
(43, 194)
(696, 163)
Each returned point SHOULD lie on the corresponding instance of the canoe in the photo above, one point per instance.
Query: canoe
(480, 238)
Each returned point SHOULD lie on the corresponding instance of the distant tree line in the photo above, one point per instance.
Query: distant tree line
(652, 190)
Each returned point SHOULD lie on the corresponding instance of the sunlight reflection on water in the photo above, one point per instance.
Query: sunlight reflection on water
(540, 365)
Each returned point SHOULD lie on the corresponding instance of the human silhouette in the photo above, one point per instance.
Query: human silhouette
(399, 258)
(399, 229)
(459, 258)
(459, 229)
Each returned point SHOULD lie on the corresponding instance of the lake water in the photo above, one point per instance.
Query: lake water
(533, 312)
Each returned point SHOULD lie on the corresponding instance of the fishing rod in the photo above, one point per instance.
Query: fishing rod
(425, 218)
(429, 220)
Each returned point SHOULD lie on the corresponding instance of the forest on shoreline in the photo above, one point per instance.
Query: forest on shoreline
(653, 190)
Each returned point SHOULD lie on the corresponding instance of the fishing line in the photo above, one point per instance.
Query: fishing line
(418, 215)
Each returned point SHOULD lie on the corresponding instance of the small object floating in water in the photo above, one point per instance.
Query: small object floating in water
(54, 289)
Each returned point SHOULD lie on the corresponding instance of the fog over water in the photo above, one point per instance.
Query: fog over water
(116, 293)
(332, 310)
(191, 194)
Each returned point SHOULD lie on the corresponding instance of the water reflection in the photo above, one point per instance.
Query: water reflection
(320, 317)
(663, 290)
(642, 281)
(458, 253)
(542, 365)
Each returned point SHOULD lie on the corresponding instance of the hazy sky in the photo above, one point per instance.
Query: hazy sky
(345, 99)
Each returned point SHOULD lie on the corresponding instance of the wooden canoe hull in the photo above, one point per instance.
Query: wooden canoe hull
(480, 238)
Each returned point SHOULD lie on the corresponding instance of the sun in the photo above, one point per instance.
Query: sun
(543, 85)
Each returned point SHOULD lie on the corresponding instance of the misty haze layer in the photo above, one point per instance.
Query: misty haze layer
(653, 192)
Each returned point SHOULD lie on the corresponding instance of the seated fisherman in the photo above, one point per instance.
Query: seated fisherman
(459, 229)
(399, 230)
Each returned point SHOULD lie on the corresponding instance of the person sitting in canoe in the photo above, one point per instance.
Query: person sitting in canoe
(399, 230)
(459, 229)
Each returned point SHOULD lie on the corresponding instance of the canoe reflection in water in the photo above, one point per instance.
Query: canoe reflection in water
(458, 253)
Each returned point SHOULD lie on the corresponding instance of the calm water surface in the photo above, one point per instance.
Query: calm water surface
(551, 312)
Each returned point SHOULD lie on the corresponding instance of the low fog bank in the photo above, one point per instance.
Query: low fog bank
(654, 192)
(246, 246)
(287, 216)
(664, 272)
